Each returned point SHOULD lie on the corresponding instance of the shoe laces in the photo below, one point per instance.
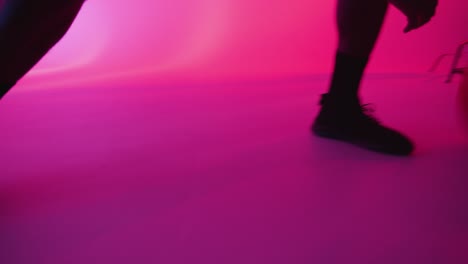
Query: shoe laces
(368, 113)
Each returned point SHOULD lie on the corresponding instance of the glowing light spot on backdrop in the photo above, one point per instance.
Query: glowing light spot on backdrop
(115, 39)
(87, 39)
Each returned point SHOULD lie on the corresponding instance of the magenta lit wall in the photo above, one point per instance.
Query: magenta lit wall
(231, 39)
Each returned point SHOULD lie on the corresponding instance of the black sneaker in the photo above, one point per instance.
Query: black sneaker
(356, 125)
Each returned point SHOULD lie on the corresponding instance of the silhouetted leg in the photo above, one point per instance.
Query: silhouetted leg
(28, 30)
(359, 23)
(341, 116)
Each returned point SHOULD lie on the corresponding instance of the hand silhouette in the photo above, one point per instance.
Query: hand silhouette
(417, 12)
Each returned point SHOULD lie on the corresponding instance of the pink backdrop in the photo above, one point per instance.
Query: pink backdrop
(231, 39)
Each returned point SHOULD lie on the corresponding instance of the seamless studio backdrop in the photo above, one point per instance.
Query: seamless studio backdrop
(178, 132)
(218, 40)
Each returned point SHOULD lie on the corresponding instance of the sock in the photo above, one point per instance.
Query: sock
(346, 78)
(4, 88)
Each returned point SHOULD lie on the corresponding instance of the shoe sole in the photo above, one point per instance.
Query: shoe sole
(323, 133)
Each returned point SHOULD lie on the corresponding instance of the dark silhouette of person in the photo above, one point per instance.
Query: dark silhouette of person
(342, 116)
(30, 28)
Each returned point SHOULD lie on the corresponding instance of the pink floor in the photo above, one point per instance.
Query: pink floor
(228, 172)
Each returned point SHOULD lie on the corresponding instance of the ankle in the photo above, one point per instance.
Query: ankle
(339, 101)
(347, 74)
